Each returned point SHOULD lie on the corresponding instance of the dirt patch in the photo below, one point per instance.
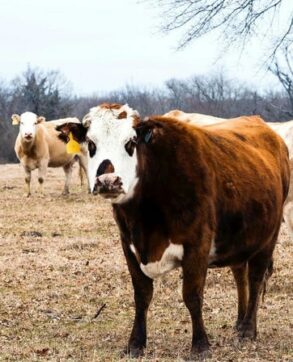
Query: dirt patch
(61, 262)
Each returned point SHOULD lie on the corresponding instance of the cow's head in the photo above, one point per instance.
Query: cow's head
(111, 141)
(28, 122)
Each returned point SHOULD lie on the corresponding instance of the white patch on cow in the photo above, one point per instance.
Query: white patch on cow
(110, 135)
(28, 123)
(132, 248)
(171, 259)
(213, 252)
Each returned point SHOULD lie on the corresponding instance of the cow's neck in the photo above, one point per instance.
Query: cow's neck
(169, 188)
(27, 146)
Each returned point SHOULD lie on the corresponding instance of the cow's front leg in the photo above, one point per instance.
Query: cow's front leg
(143, 293)
(28, 176)
(194, 266)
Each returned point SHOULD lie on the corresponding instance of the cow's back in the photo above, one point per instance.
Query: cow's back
(194, 118)
(250, 139)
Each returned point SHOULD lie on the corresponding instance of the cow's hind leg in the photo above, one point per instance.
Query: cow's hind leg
(81, 176)
(143, 293)
(257, 267)
(68, 175)
(83, 165)
(240, 274)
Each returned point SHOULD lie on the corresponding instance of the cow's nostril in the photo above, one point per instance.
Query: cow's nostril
(117, 181)
(105, 167)
(98, 182)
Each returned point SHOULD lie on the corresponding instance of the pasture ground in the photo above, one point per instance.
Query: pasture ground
(61, 261)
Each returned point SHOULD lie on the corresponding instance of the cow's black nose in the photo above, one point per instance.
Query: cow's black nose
(105, 167)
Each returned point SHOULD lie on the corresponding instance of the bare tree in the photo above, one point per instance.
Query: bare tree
(216, 95)
(7, 132)
(44, 93)
(236, 19)
(283, 70)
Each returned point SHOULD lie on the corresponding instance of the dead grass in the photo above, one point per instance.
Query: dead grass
(61, 260)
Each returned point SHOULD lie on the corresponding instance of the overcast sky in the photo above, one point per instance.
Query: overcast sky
(104, 45)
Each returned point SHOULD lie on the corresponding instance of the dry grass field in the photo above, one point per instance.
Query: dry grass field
(61, 261)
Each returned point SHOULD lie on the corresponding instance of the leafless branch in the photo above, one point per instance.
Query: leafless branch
(238, 20)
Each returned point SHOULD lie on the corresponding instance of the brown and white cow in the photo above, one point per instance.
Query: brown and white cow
(190, 197)
(37, 146)
(284, 129)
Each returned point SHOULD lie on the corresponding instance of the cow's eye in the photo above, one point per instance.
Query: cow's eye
(130, 146)
(92, 148)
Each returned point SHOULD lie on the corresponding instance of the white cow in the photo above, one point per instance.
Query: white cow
(284, 129)
(37, 146)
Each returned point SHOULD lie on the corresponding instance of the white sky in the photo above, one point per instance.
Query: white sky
(104, 45)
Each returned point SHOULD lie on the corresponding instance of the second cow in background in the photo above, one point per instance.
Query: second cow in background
(38, 147)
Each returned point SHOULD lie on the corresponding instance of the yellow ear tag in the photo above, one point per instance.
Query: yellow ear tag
(72, 146)
(14, 122)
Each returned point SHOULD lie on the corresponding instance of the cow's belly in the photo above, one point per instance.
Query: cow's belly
(173, 256)
(170, 260)
(60, 161)
(227, 257)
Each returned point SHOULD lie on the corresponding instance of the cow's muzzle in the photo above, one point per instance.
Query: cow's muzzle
(28, 137)
(108, 185)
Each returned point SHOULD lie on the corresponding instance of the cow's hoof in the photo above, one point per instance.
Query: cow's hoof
(246, 331)
(238, 325)
(65, 193)
(133, 352)
(27, 194)
(195, 355)
(200, 351)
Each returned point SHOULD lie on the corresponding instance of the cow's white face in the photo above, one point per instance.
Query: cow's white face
(28, 122)
(111, 142)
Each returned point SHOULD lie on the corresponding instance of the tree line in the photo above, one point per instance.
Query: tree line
(48, 94)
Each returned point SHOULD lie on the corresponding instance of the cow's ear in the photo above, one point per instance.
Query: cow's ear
(145, 131)
(77, 130)
(41, 119)
(87, 120)
(15, 119)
